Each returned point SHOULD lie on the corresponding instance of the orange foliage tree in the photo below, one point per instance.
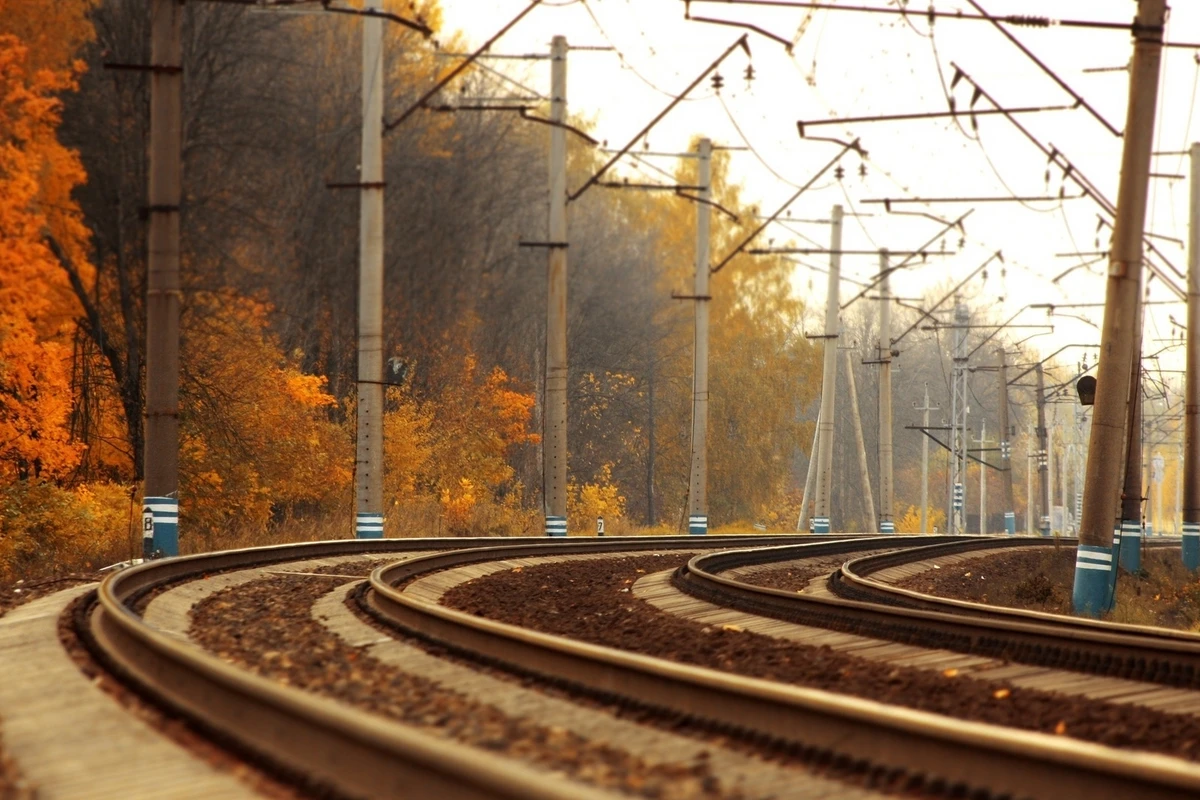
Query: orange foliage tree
(36, 176)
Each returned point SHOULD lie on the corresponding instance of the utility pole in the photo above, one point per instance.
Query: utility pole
(925, 409)
(1043, 456)
(821, 515)
(369, 437)
(958, 421)
(983, 443)
(1092, 592)
(1128, 549)
(1177, 513)
(160, 503)
(554, 418)
(698, 488)
(1010, 517)
(1051, 472)
(810, 480)
(1191, 403)
(864, 472)
(886, 523)
(1030, 457)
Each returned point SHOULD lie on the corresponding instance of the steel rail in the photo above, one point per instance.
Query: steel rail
(970, 754)
(313, 740)
(1146, 654)
(853, 581)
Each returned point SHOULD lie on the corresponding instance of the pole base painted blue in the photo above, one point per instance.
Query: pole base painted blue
(368, 525)
(887, 526)
(1191, 545)
(1116, 560)
(556, 526)
(1010, 523)
(698, 524)
(160, 519)
(1092, 594)
(820, 524)
(1130, 547)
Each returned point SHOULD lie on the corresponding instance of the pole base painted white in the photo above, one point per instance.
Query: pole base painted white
(368, 526)
(1045, 526)
(1131, 545)
(1191, 545)
(698, 524)
(160, 527)
(1092, 595)
(820, 524)
(1010, 523)
(556, 526)
(887, 526)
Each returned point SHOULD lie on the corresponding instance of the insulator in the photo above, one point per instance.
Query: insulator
(717, 81)
(749, 72)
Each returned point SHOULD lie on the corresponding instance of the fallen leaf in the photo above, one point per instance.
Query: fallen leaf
(1061, 728)
(966, 574)
(949, 673)
(734, 628)
(1000, 694)
(518, 569)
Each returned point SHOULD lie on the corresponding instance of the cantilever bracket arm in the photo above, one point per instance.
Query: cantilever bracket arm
(742, 43)
(846, 148)
(388, 127)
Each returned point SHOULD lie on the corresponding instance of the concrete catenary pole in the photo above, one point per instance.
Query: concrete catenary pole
(698, 487)
(1091, 592)
(1030, 465)
(1178, 530)
(1128, 548)
(554, 418)
(1010, 516)
(1051, 472)
(160, 504)
(982, 480)
(958, 421)
(369, 438)
(1043, 457)
(925, 408)
(821, 514)
(864, 471)
(886, 522)
(810, 480)
(1191, 402)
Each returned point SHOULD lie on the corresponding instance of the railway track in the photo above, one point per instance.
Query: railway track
(327, 745)
(317, 742)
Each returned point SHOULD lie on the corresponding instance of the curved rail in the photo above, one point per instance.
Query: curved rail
(313, 740)
(975, 755)
(1136, 653)
(853, 581)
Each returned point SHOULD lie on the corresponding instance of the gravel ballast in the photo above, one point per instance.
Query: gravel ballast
(590, 601)
(243, 626)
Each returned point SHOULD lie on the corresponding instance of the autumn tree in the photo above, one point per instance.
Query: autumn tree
(36, 223)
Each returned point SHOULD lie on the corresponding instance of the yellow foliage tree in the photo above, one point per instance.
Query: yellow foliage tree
(910, 521)
(598, 498)
(256, 435)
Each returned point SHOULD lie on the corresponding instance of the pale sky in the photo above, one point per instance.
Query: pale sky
(848, 64)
